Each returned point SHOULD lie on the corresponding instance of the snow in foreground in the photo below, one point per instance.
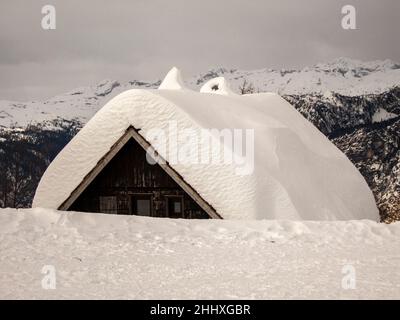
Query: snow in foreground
(106, 256)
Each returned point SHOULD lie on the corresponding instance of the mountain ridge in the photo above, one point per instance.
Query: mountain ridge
(343, 76)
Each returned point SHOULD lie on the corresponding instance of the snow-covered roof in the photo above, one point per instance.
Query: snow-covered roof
(298, 173)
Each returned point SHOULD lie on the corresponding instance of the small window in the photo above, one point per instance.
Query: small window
(141, 205)
(108, 204)
(175, 207)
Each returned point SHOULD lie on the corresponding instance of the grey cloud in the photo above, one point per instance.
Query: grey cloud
(142, 39)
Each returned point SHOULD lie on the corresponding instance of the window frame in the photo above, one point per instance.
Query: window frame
(140, 196)
(106, 199)
(171, 198)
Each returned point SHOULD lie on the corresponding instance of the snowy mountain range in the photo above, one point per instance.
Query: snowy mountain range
(343, 76)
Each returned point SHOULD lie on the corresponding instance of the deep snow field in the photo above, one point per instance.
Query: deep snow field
(107, 256)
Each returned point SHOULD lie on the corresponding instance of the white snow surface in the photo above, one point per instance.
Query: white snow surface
(298, 173)
(98, 256)
(382, 115)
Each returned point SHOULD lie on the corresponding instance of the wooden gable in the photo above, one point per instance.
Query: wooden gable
(123, 182)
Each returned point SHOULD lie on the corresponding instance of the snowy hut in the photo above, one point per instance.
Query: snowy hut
(174, 152)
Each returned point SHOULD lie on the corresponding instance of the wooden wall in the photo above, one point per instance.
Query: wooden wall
(129, 174)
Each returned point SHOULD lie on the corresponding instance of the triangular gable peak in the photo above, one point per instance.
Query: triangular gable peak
(132, 133)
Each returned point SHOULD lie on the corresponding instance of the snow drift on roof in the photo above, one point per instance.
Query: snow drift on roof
(298, 173)
(173, 80)
(217, 85)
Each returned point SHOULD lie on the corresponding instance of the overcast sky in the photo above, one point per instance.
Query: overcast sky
(143, 39)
